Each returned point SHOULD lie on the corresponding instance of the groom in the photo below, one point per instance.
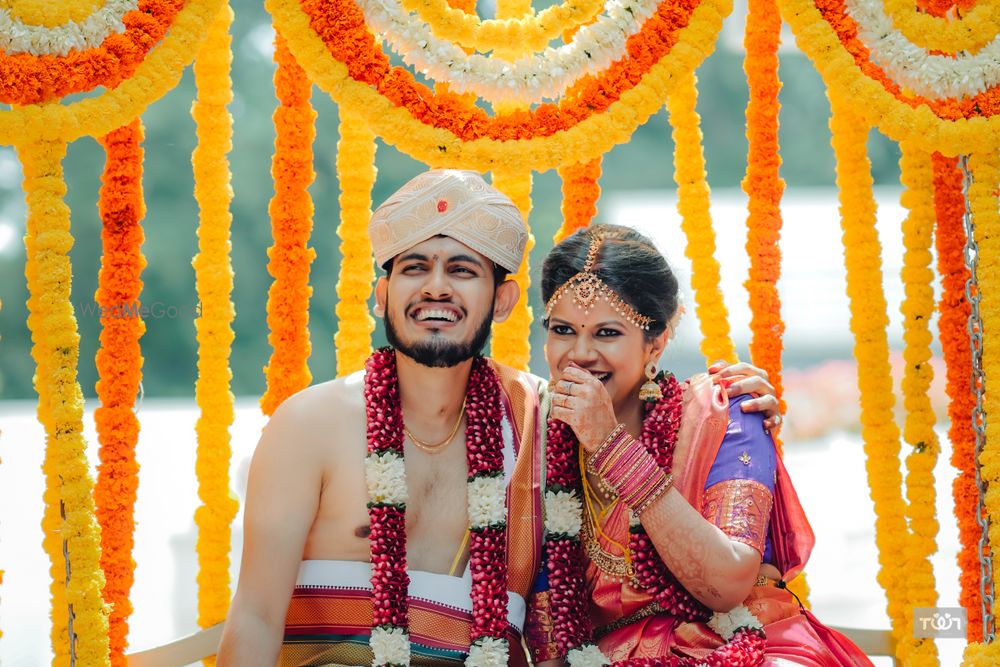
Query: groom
(447, 242)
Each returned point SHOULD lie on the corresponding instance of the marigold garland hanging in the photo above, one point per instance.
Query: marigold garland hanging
(56, 351)
(933, 74)
(17, 36)
(828, 34)
(214, 282)
(446, 131)
(50, 14)
(916, 176)
(580, 192)
(696, 221)
(291, 211)
(532, 32)
(356, 173)
(511, 338)
(871, 349)
(119, 366)
(968, 31)
(509, 74)
(160, 71)
(982, 195)
(944, 7)
(26, 78)
(953, 332)
(52, 515)
(764, 188)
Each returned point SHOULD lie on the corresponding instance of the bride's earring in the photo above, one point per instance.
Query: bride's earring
(650, 390)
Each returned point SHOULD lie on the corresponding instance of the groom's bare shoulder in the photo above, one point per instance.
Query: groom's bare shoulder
(320, 418)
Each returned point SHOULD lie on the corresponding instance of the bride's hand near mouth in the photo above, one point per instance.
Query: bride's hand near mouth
(581, 401)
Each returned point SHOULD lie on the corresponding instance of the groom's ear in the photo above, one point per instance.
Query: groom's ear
(381, 294)
(504, 300)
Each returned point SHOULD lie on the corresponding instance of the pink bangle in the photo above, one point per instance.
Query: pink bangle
(656, 492)
(634, 474)
(608, 449)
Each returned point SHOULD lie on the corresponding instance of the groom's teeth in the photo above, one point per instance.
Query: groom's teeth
(436, 315)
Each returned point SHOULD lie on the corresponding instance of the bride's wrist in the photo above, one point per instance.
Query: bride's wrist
(632, 471)
(607, 450)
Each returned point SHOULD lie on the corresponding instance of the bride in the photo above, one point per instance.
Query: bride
(690, 524)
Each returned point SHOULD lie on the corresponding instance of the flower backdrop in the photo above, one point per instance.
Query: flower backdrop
(525, 91)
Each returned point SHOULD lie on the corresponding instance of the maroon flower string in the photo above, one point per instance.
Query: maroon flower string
(390, 580)
(487, 545)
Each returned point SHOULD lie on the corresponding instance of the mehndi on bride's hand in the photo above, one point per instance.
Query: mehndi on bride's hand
(745, 378)
(581, 401)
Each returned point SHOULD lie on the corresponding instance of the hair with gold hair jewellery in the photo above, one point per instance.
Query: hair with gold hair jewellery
(588, 288)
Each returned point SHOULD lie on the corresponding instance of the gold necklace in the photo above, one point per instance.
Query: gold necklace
(618, 567)
(435, 447)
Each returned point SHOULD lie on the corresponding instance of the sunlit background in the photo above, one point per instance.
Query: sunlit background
(823, 446)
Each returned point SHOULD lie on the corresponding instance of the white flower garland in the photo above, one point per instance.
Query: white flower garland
(726, 625)
(587, 655)
(385, 477)
(391, 646)
(487, 652)
(39, 40)
(563, 513)
(527, 80)
(928, 75)
(486, 501)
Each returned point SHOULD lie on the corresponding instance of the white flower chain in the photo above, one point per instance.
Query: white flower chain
(38, 40)
(928, 75)
(563, 513)
(726, 625)
(587, 655)
(391, 646)
(527, 80)
(385, 477)
(486, 501)
(487, 652)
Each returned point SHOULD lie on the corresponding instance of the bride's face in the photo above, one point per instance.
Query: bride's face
(601, 342)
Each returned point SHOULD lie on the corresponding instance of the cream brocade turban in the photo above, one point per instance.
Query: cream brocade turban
(454, 203)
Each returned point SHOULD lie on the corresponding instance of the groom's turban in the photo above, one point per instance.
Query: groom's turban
(454, 203)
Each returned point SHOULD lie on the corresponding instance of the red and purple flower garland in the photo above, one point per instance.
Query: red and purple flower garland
(572, 629)
(488, 545)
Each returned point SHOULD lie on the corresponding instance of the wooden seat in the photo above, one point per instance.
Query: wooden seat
(871, 642)
(184, 651)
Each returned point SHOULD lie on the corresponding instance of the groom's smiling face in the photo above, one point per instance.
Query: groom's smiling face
(439, 300)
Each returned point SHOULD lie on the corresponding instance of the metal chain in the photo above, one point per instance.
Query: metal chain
(71, 615)
(978, 387)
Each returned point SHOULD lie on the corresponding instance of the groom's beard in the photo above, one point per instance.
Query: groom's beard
(436, 351)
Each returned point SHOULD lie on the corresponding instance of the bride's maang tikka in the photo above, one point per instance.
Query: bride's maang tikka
(587, 288)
